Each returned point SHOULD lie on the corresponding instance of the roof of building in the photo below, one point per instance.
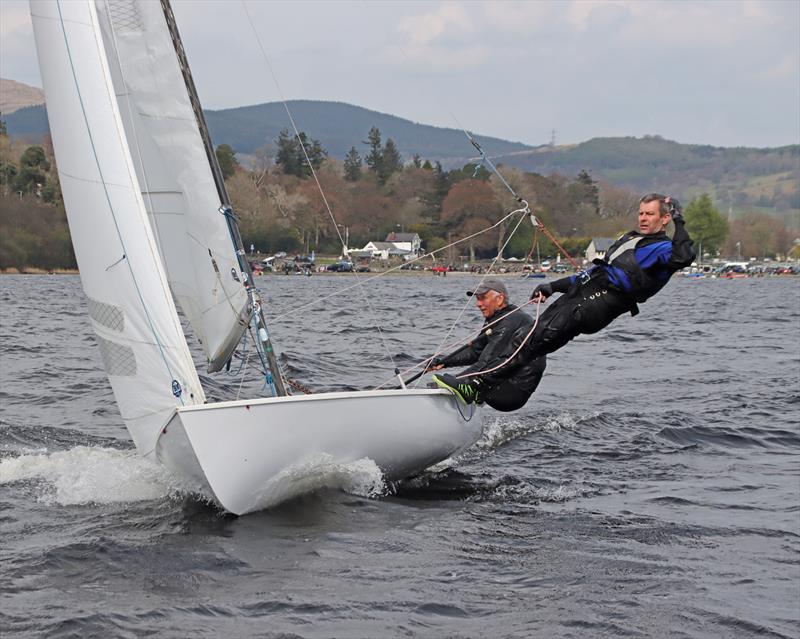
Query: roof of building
(602, 243)
(402, 237)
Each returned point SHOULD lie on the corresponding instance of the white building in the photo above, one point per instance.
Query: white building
(597, 247)
(410, 242)
(385, 250)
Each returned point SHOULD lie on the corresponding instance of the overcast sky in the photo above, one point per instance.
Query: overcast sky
(723, 72)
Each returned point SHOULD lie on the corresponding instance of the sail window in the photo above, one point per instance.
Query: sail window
(118, 359)
(108, 315)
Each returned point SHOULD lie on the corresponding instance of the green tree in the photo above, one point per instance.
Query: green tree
(3, 129)
(226, 157)
(8, 173)
(470, 171)
(391, 162)
(441, 186)
(29, 180)
(311, 153)
(298, 154)
(705, 224)
(287, 156)
(374, 158)
(416, 161)
(352, 165)
(34, 157)
(585, 192)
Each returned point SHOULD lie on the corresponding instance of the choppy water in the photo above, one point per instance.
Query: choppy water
(651, 487)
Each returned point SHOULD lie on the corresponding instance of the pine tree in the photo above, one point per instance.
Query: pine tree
(441, 183)
(291, 156)
(352, 165)
(416, 161)
(287, 156)
(391, 162)
(226, 157)
(374, 159)
(588, 191)
(315, 155)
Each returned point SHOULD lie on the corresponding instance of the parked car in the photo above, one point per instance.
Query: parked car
(341, 267)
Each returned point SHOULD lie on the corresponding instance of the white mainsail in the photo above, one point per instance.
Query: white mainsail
(141, 341)
(172, 165)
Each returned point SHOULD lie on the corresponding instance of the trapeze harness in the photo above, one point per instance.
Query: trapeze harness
(635, 268)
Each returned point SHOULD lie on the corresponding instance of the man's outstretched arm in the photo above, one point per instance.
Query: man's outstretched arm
(543, 291)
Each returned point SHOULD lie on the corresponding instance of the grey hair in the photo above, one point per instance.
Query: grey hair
(663, 207)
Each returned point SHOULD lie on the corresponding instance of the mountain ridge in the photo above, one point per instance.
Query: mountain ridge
(735, 177)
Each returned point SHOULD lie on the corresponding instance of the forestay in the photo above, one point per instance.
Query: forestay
(141, 342)
(173, 168)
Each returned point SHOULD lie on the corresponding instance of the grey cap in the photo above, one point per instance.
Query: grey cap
(490, 284)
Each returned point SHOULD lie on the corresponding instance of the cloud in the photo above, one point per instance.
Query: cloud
(438, 58)
(427, 27)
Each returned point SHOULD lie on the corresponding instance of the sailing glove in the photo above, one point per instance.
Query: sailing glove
(675, 210)
(543, 289)
(436, 361)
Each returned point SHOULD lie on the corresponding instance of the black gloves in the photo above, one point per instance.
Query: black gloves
(545, 289)
(436, 361)
(675, 209)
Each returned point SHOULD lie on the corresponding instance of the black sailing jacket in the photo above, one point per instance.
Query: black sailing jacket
(495, 345)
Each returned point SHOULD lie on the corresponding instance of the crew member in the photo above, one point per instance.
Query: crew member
(634, 268)
(495, 376)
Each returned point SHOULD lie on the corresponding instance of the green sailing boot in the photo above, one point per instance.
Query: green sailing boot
(467, 392)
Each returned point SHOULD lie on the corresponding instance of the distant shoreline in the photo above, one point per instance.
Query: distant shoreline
(38, 271)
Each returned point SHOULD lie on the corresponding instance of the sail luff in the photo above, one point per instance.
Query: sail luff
(138, 331)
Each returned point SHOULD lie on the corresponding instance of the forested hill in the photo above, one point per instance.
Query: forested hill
(741, 178)
(338, 126)
(735, 177)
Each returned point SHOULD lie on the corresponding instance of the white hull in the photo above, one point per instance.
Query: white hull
(246, 453)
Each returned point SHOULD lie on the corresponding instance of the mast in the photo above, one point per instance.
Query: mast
(225, 209)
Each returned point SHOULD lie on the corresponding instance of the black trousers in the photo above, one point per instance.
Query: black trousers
(584, 309)
(506, 396)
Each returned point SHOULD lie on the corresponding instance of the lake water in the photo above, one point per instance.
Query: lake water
(650, 488)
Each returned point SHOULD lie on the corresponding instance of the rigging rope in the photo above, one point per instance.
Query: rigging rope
(316, 179)
(514, 354)
(484, 160)
(524, 209)
(462, 341)
(315, 301)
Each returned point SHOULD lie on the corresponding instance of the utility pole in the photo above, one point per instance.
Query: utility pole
(552, 137)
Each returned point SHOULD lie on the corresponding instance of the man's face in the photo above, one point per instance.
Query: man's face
(490, 302)
(650, 218)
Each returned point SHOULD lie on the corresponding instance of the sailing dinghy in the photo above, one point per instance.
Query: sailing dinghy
(151, 225)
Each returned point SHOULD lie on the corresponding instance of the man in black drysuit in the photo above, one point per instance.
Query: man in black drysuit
(636, 267)
(509, 386)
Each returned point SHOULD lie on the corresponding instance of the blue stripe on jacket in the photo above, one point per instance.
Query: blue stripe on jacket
(646, 257)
